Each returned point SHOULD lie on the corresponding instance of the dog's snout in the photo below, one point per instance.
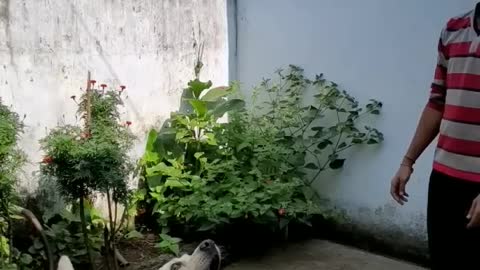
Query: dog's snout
(207, 245)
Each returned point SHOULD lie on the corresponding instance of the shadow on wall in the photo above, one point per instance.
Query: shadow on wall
(385, 238)
(99, 49)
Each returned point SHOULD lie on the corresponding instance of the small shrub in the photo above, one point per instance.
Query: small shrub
(11, 160)
(64, 232)
(92, 158)
(204, 175)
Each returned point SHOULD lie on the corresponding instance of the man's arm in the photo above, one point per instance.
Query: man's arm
(427, 128)
(429, 124)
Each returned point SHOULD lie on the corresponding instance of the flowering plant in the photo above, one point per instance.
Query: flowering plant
(93, 157)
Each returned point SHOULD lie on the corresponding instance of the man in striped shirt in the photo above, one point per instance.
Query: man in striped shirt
(453, 113)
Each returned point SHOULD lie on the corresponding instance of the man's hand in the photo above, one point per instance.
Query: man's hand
(474, 214)
(399, 181)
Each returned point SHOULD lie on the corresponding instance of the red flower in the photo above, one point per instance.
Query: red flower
(93, 82)
(122, 87)
(73, 97)
(128, 123)
(282, 212)
(103, 86)
(47, 160)
(86, 135)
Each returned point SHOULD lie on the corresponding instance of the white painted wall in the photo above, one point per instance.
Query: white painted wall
(47, 46)
(383, 49)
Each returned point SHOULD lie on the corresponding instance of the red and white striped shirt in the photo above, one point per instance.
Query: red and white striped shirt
(456, 93)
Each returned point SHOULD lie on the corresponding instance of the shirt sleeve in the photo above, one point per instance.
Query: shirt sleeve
(438, 90)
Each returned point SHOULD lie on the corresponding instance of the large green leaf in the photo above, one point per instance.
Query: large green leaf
(165, 145)
(176, 183)
(197, 87)
(151, 154)
(152, 137)
(199, 106)
(154, 181)
(228, 106)
(216, 93)
(163, 169)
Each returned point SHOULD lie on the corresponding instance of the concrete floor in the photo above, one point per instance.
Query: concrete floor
(323, 255)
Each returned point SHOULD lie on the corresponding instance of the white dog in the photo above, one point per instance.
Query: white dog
(203, 258)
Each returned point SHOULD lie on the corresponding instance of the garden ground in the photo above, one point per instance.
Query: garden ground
(306, 255)
(319, 254)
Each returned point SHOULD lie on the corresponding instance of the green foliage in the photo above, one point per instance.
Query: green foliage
(11, 159)
(90, 159)
(169, 244)
(64, 233)
(256, 167)
(296, 121)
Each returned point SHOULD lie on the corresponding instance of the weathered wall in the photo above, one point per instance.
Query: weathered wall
(374, 49)
(47, 46)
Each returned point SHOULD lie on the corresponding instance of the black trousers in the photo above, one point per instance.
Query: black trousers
(452, 246)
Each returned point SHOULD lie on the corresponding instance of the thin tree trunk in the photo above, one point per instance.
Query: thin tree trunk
(10, 236)
(107, 247)
(85, 233)
(111, 241)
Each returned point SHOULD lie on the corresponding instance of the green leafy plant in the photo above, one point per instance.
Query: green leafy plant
(169, 244)
(11, 160)
(92, 158)
(296, 121)
(64, 232)
(258, 167)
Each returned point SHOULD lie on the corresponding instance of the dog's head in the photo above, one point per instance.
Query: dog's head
(207, 256)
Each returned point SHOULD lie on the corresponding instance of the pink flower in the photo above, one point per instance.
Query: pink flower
(282, 212)
(47, 160)
(86, 135)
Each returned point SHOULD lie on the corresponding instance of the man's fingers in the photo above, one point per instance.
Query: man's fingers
(471, 210)
(473, 215)
(403, 193)
(395, 191)
(474, 221)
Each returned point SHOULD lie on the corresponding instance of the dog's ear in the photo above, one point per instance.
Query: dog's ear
(64, 263)
(177, 266)
(177, 263)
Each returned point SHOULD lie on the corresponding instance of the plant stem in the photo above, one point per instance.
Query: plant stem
(88, 105)
(85, 233)
(115, 213)
(111, 238)
(122, 219)
(10, 235)
(107, 247)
